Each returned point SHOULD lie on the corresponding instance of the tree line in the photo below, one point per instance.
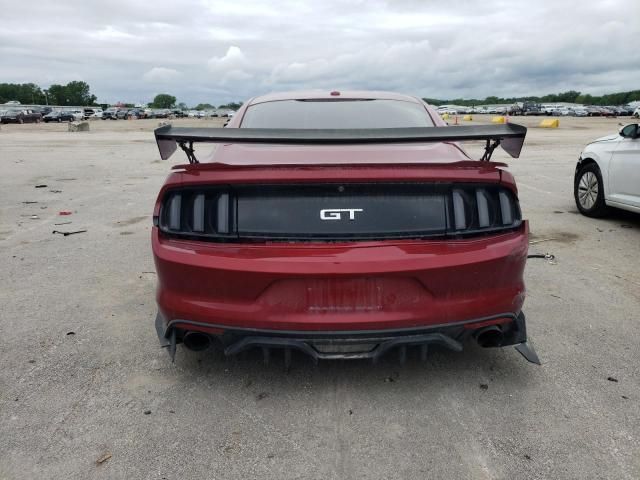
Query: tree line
(79, 93)
(73, 93)
(571, 96)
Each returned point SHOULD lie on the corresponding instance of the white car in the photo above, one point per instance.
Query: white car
(608, 173)
(78, 115)
(92, 113)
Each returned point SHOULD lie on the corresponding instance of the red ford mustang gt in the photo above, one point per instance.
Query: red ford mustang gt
(342, 225)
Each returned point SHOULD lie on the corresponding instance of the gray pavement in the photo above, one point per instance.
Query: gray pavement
(83, 376)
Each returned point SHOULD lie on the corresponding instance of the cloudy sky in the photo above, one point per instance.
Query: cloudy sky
(218, 51)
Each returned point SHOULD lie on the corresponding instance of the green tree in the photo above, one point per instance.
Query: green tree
(163, 100)
(231, 106)
(75, 93)
(25, 93)
(79, 93)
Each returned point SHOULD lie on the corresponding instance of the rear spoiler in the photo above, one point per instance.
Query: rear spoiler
(510, 136)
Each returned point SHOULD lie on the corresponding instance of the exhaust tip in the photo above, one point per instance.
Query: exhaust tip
(489, 337)
(196, 341)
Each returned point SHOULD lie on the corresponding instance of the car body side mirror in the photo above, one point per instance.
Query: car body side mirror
(630, 131)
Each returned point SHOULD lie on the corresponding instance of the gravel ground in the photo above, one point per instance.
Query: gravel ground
(83, 378)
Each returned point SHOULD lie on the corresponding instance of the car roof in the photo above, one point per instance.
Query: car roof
(326, 95)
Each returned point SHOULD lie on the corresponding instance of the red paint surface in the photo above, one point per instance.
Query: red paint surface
(348, 286)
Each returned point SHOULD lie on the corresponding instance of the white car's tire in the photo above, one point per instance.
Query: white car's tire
(588, 191)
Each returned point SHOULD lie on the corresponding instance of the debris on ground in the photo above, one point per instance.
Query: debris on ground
(551, 258)
(34, 217)
(104, 458)
(71, 333)
(42, 185)
(66, 234)
(63, 223)
(612, 379)
(29, 202)
(55, 191)
(65, 212)
(626, 226)
(533, 242)
(147, 412)
(484, 386)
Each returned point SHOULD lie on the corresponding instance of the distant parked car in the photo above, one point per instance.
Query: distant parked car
(93, 112)
(163, 113)
(43, 110)
(110, 113)
(580, 112)
(78, 115)
(607, 112)
(20, 116)
(593, 112)
(136, 113)
(621, 111)
(607, 173)
(59, 116)
(562, 111)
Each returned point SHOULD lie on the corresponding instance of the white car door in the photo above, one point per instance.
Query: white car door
(624, 168)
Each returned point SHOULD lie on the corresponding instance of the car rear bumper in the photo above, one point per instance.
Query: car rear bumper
(356, 286)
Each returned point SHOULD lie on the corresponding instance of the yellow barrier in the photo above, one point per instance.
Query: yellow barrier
(498, 120)
(549, 123)
(467, 118)
(445, 116)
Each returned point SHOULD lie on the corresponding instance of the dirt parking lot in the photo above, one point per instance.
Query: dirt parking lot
(83, 377)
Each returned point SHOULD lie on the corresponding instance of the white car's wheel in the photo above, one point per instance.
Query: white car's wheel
(588, 191)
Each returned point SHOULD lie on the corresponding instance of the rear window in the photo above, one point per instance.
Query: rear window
(336, 114)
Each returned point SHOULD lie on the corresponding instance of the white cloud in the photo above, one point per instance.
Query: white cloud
(224, 51)
(161, 74)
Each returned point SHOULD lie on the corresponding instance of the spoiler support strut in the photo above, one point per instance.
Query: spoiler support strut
(189, 151)
(488, 150)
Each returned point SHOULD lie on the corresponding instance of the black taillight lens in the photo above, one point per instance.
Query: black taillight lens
(197, 212)
(483, 209)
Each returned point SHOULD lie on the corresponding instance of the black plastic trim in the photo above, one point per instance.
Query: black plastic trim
(231, 193)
